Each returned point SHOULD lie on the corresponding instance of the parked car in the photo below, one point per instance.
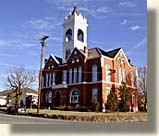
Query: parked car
(16, 109)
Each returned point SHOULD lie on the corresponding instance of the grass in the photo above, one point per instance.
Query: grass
(58, 112)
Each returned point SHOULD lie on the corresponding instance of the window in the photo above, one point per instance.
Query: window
(47, 79)
(42, 81)
(80, 74)
(75, 96)
(70, 76)
(42, 96)
(94, 73)
(68, 35)
(133, 98)
(108, 74)
(49, 97)
(107, 92)
(64, 76)
(122, 75)
(80, 35)
(50, 80)
(132, 79)
(94, 94)
(75, 75)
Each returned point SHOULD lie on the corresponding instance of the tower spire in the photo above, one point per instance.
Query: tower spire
(75, 10)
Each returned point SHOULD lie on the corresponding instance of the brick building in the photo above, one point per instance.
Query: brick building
(84, 74)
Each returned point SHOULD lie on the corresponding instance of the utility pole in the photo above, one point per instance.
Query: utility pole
(43, 44)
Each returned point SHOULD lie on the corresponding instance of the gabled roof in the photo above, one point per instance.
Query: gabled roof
(93, 53)
(111, 53)
(75, 48)
(97, 52)
(58, 60)
(27, 90)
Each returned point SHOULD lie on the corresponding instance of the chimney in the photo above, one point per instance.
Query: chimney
(129, 61)
(86, 52)
(45, 61)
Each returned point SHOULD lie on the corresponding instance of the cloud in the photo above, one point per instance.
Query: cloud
(103, 9)
(8, 65)
(142, 42)
(123, 22)
(3, 75)
(41, 24)
(127, 4)
(16, 43)
(136, 27)
(88, 6)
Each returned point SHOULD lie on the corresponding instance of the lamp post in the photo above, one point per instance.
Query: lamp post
(43, 44)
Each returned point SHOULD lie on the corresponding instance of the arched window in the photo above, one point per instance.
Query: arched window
(49, 97)
(74, 96)
(80, 35)
(68, 35)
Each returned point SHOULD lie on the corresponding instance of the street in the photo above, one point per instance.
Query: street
(20, 119)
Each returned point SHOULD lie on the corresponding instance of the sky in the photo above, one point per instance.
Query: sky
(111, 24)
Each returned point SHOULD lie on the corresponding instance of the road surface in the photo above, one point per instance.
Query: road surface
(20, 119)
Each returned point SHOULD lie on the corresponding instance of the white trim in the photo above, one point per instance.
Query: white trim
(101, 81)
(73, 51)
(121, 50)
(54, 58)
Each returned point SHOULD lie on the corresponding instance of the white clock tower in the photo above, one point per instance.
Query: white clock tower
(75, 32)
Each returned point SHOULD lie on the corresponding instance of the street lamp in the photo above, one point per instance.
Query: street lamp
(43, 44)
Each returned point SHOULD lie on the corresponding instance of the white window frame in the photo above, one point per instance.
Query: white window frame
(42, 82)
(75, 75)
(50, 80)
(94, 73)
(108, 73)
(46, 80)
(122, 75)
(49, 97)
(80, 74)
(132, 79)
(94, 94)
(107, 92)
(70, 76)
(133, 98)
(64, 77)
(74, 98)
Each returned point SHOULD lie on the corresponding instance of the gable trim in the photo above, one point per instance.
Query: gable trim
(73, 51)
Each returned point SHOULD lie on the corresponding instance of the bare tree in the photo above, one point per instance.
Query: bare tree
(142, 77)
(18, 80)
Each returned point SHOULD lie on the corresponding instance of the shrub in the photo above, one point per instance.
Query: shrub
(77, 107)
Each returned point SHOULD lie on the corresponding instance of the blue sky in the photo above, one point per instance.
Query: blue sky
(112, 24)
